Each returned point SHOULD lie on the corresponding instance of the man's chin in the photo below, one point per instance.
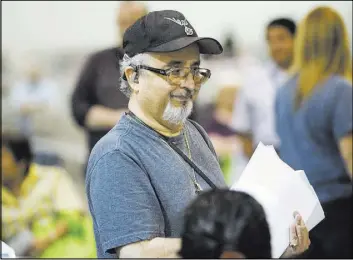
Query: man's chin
(177, 112)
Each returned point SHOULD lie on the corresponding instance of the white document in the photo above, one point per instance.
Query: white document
(281, 191)
(7, 251)
(318, 214)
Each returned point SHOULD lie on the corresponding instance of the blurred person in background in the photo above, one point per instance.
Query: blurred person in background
(215, 106)
(223, 73)
(280, 40)
(228, 74)
(224, 139)
(232, 224)
(97, 104)
(42, 216)
(30, 98)
(254, 113)
(314, 123)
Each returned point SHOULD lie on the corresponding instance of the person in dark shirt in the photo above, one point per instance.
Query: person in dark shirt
(97, 103)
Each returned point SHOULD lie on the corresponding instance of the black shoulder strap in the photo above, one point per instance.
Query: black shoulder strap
(193, 165)
(178, 151)
(203, 134)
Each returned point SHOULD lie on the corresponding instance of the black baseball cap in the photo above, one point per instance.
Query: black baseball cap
(165, 31)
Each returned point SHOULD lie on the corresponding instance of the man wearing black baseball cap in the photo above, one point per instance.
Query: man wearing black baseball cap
(137, 184)
(154, 162)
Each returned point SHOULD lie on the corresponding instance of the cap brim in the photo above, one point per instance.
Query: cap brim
(206, 45)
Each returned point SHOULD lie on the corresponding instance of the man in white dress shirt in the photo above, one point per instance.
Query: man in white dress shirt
(254, 105)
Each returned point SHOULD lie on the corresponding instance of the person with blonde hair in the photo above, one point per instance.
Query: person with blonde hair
(314, 123)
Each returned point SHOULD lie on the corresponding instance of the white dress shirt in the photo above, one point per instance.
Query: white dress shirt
(254, 105)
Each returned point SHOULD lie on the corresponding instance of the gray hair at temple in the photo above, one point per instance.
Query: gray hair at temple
(126, 62)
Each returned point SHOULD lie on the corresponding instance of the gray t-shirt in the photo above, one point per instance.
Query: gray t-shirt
(138, 186)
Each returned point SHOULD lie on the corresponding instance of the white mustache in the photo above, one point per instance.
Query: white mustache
(188, 94)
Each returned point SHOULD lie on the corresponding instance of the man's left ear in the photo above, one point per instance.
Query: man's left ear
(132, 77)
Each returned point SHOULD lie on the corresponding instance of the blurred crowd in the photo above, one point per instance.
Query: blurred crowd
(299, 101)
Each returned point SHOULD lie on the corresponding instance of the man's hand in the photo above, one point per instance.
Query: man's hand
(299, 237)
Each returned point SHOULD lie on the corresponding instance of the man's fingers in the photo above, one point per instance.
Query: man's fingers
(293, 236)
(307, 244)
(295, 213)
(300, 227)
(299, 234)
(299, 220)
(303, 237)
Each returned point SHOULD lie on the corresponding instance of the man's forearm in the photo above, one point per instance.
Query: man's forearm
(100, 117)
(155, 248)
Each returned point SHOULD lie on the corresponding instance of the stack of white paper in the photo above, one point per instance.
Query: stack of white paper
(281, 191)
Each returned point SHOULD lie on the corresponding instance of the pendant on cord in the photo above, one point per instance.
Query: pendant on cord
(198, 188)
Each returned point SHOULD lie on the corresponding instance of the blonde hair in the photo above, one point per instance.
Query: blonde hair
(321, 50)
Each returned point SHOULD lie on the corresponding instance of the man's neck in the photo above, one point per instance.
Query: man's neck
(161, 126)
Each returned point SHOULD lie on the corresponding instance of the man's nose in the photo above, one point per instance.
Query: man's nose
(188, 82)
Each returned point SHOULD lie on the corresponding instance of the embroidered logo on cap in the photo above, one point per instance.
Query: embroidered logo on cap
(184, 23)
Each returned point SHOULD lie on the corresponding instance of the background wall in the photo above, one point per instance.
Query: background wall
(55, 25)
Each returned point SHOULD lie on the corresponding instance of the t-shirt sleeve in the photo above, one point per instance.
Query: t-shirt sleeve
(342, 114)
(123, 202)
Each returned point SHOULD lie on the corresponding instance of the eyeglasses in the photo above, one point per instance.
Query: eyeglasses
(175, 76)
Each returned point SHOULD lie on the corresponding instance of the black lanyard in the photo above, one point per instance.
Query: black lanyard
(178, 151)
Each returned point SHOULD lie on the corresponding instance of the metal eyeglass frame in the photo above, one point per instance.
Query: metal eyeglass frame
(167, 72)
